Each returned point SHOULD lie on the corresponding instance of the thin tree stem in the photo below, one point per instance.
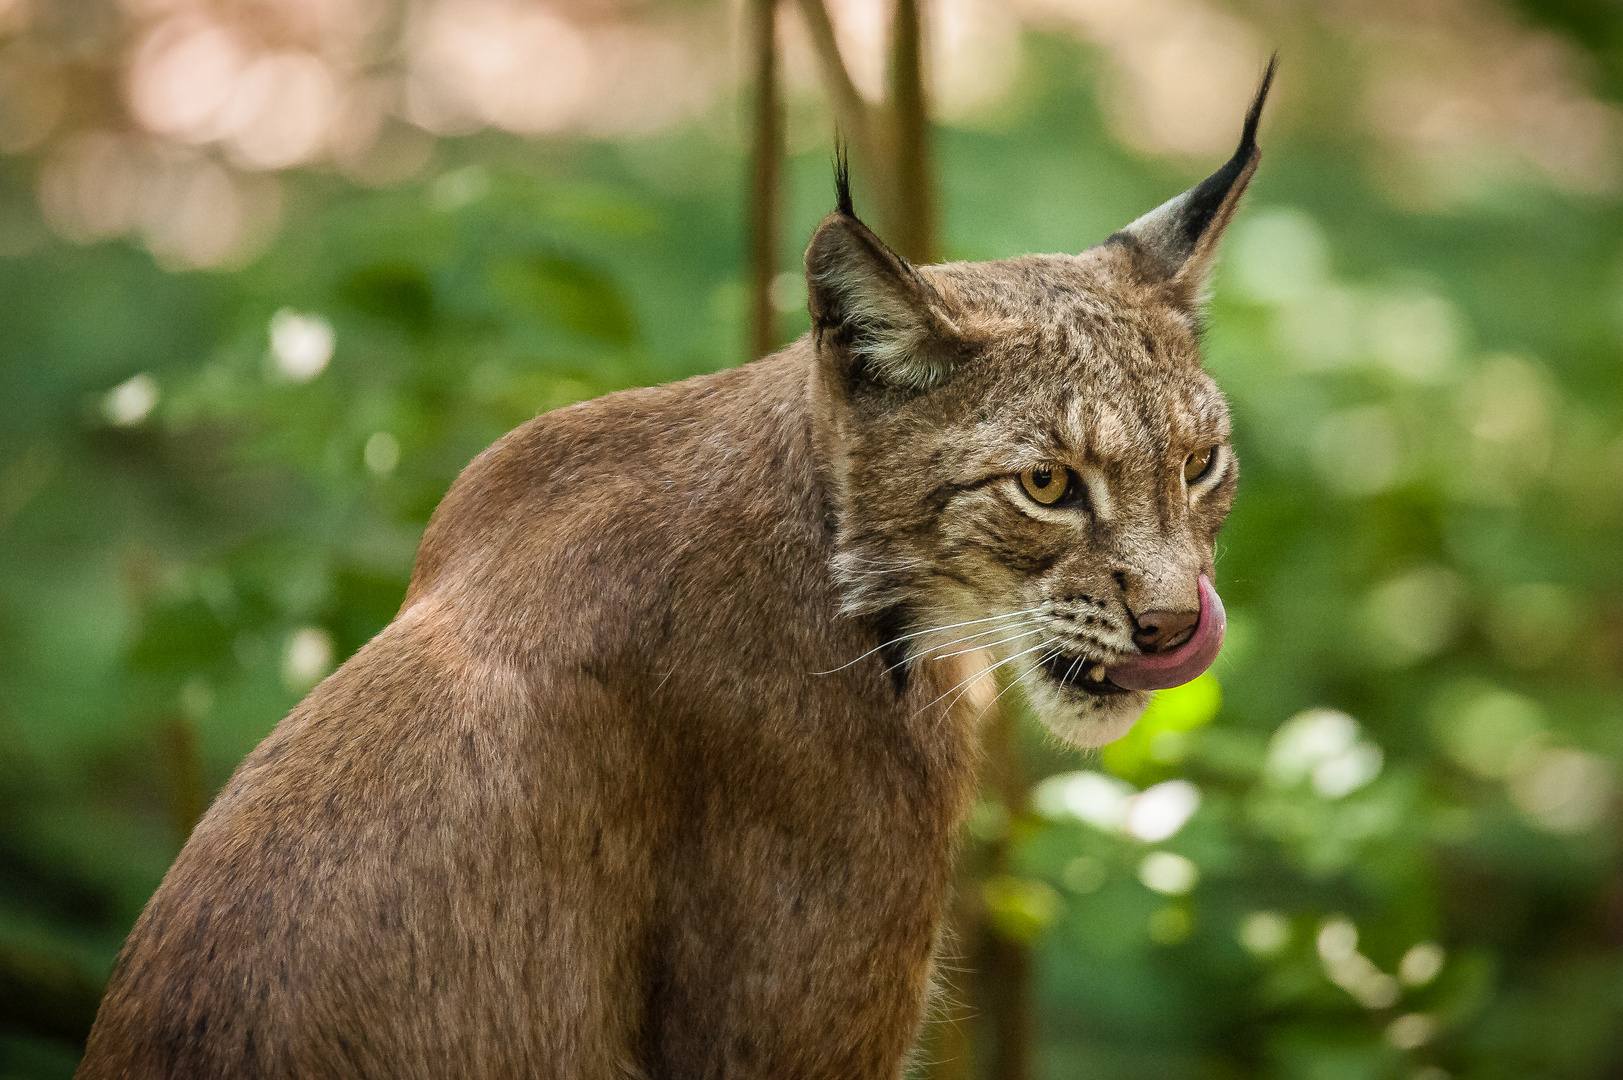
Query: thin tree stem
(859, 122)
(1005, 974)
(184, 783)
(766, 177)
(912, 220)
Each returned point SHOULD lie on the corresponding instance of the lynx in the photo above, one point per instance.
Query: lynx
(658, 770)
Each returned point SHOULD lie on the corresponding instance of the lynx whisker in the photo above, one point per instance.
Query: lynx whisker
(920, 633)
(1035, 664)
(931, 653)
(965, 684)
(1003, 629)
(986, 645)
(999, 694)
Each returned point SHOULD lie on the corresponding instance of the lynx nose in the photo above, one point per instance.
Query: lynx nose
(1163, 631)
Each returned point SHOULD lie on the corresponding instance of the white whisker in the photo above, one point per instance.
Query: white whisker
(1004, 629)
(929, 654)
(988, 645)
(985, 671)
(920, 633)
(1032, 629)
(1039, 662)
(1005, 690)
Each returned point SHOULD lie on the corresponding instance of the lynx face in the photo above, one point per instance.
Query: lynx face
(1034, 462)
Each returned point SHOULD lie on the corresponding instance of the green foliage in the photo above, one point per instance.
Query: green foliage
(1400, 853)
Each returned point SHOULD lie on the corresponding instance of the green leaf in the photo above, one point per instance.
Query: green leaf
(1159, 737)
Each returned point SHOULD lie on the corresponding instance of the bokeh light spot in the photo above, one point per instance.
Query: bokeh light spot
(1421, 964)
(1411, 1030)
(1413, 615)
(131, 401)
(301, 345)
(1170, 925)
(1327, 748)
(1278, 254)
(306, 658)
(1168, 873)
(1563, 790)
(382, 453)
(1265, 933)
(1157, 813)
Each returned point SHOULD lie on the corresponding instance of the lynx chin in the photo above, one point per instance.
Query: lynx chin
(659, 769)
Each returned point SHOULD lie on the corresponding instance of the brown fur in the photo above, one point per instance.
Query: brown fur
(658, 771)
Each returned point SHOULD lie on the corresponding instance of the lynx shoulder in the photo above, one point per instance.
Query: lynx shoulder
(658, 771)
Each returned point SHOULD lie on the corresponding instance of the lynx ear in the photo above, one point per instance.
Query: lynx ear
(869, 307)
(1181, 234)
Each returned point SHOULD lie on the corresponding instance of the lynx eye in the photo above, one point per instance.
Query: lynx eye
(1198, 464)
(1047, 484)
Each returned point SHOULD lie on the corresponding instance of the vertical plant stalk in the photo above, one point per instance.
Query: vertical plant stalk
(912, 223)
(893, 150)
(1004, 970)
(766, 177)
(890, 139)
(1008, 992)
(858, 121)
(182, 771)
(946, 1048)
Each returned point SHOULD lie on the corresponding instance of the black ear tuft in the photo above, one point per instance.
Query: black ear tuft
(1248, 136)
(871, 310)
(1208, 196)
(842, 178)
(1181, 234)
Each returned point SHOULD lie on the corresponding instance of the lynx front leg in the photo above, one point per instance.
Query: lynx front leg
(786, 965)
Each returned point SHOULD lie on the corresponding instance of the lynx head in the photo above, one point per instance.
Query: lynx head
(1029, 458)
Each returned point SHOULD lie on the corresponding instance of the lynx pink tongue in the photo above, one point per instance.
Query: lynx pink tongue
(1162, 670)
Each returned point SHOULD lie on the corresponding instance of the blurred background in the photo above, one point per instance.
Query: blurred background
(273, 271)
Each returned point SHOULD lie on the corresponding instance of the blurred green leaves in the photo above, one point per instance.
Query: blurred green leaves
(396, 292)
(566, 292)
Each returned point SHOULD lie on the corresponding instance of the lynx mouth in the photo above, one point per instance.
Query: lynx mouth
(1164, 670)
(1154, 671)
(1077, 673)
